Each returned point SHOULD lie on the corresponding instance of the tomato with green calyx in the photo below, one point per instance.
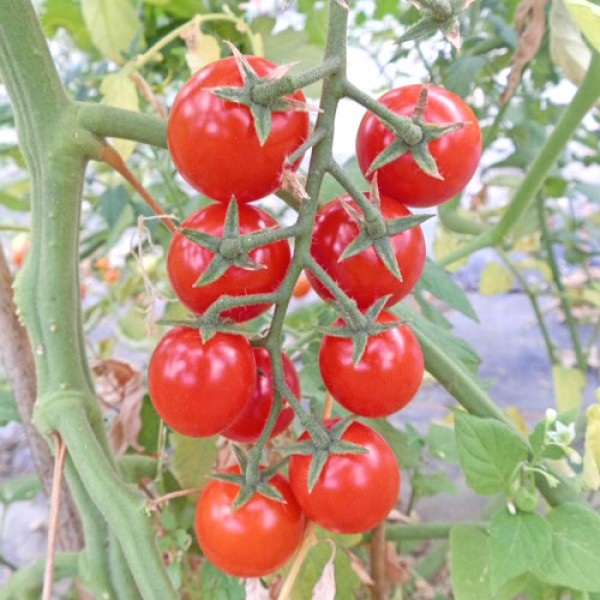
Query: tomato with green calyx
(254, 540)
(387, 377)
(365, 277)
(355, 492)
(250, 424)
(214, 144)
(456, 153)
(199, 388)
(187, 261)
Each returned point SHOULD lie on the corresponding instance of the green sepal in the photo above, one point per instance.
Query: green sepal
(305, 448)
(400, 224)
(317, 464)
(376, 309)
(359, 345)
(272, 470)
(269, 491)
(344, 447)
(244, 496)
(395, 150)
(425, 160)
(210, 242)
(231, 227)
(385, 251)
(262, 121)
(338, 430)
(362, 242)
(241, 457)
(217, 267)
(235, 478)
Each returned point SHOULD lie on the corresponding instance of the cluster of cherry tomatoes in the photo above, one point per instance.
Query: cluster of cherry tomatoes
(224, 385)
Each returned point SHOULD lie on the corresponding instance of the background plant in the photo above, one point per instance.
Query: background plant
(538, 214)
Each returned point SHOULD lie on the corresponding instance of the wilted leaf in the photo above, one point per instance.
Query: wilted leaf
(591, 457)
(202, 49)
(120, 388)
(587, 16)
(530, 22)
(495, 279)
(569, 384)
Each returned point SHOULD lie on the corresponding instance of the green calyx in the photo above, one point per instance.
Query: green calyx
(261, 109)
(321, 451)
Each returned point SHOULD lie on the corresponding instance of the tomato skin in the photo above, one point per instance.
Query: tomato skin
(456, 154)
(214, 144)
(255, 540)
(385, 380)
(302, 287)
(354, 492)
(199, 388)
(364, 277)
(250, 424)
(186, 261)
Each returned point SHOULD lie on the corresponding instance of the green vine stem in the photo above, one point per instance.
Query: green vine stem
(584, 99)
(557, 280)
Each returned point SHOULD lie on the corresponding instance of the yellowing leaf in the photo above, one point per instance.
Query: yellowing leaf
(591, 456)
(495, 279)
(445, 243)
(202, 49)
(567, 48)
(516, 416)
(587, 17)
(568, 387)
(112, 25)
(120, 91)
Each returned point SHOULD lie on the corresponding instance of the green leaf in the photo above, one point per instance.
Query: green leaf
(587, 16)
(14, 203)
(470, 567)
(216, 585)
(437, 280)
(112, 203)
(18, 489)
(575, 548)
(65, 14)
(489, 451)
(148, 436)
(346, 580)
(113, 26)
(432, 484)
(442, 443)
(518, 543)
(193, 459)
(398, 441)
(8, 407)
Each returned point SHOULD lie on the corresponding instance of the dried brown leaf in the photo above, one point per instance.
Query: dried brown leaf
(530, 23)
(291, 183)
(120, 389)
(359, 567)
(397, 569)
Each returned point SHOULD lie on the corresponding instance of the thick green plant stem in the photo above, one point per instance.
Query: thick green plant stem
(57, 148)
(585, 98)
(27, 582)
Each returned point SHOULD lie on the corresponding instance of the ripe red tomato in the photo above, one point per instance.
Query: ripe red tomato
(248, 427)
(364, 277)
(214, 144)
(456, 154)
(198, 389)
(186, 261)
(385, 380)
(354, 492)
(254, 540)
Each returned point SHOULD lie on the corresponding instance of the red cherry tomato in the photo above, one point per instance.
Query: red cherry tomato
(302, 287)
(250, 424)
(456, 154)
(385, 380)
(254, 540)
(354, 492)
(214, 144)
(198, 389)
(186, 261)
(364, 277)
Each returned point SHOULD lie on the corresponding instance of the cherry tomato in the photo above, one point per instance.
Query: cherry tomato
(250, 424)
(387, 377)
(186, 261)
(364, 277)
(456, 154)
(214, 144)
(302, 287)
(354, 492)
(255, 540)
(199, 388)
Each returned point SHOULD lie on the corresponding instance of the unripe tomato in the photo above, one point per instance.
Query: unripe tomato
(364, 277)
(387, 377)
(250, 424)
(255, 540)
(456, 153)
(199, 388)
(355, 492)
(213, 141)
(186, 261)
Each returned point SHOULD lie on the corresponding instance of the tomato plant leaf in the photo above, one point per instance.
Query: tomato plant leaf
(575, 547)
(192, 459)
(216, 585)
(518, 543)
(490, 453)
(18, 489)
